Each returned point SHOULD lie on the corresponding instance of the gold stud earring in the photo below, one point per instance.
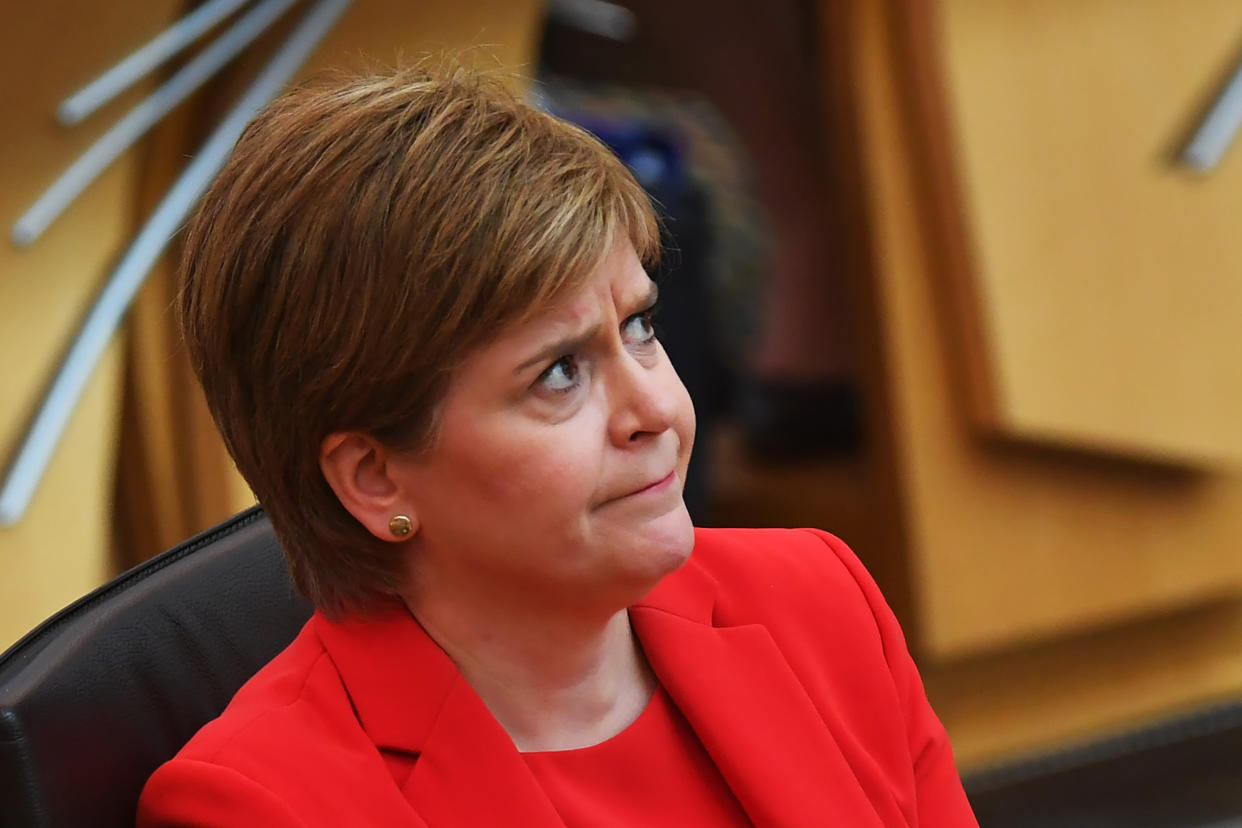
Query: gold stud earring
(400, 526)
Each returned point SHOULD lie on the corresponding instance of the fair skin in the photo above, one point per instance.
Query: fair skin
(550, 502)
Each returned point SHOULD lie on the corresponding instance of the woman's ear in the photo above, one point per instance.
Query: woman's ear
(365, 475)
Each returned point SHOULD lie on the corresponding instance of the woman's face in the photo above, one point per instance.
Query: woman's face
(562, 451)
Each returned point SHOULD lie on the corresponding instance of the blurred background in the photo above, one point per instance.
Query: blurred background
(941, 276)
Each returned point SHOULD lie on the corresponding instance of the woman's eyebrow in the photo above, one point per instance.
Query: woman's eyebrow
(566, 345)
(649, 299)
(576, 342)
(639, 303)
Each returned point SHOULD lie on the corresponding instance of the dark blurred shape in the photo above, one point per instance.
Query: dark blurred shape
(784, 420)
(1182, 773)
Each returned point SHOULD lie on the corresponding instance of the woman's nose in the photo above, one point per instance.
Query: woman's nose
(644, 400)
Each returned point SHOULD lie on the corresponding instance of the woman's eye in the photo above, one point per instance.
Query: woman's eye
(561, 375)
(638, 328)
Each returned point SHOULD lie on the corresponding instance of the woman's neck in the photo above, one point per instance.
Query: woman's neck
(554, 682)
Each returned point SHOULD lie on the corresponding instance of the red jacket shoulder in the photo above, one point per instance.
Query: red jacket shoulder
(827, 616)
(287, 744)
(787, 575)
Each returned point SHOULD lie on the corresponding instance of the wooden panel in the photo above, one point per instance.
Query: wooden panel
(1110, 278)
(1006, 544)
(1045, 697)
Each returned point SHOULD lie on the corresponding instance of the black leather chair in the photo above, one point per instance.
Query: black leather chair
(96, 697)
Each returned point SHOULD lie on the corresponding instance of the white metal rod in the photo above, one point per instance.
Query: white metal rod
(597, 17)
(142, 117)
(1218, 129)
(167, 43)
(105, 316)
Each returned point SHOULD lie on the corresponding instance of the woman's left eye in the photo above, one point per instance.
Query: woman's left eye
(561, 376)
(638, 328)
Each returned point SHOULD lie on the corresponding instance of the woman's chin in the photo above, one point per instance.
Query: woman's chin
(666, 543)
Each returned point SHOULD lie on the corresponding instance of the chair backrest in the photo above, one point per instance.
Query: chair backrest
(103, 692)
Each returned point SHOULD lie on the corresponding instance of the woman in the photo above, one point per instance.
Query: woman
(419, 312)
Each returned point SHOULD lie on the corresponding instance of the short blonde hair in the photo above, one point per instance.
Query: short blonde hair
(365, 236)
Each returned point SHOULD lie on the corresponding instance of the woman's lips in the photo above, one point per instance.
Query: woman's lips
(660, 485)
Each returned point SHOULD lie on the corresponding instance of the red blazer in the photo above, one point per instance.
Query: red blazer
(775, 644)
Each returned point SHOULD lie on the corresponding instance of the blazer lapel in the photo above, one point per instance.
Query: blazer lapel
(410, 698)
(755, 719)
(470, 774)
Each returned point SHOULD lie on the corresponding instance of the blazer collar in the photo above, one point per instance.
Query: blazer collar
(732, 684)
(410, 698)
(748, 708)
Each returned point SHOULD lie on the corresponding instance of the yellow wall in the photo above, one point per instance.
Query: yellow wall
(60, 549)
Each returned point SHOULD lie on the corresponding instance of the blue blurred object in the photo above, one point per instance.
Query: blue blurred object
(652, 153)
